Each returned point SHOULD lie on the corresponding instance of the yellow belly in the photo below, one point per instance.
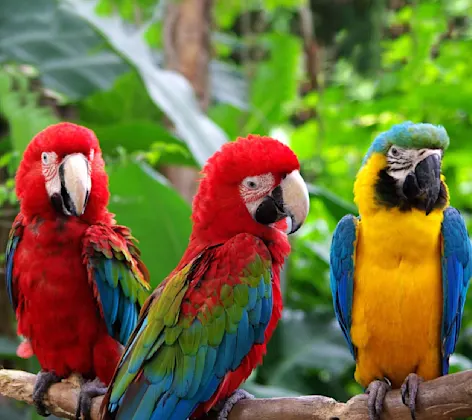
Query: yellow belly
(397, 304)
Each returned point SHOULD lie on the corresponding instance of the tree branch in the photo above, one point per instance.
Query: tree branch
(447, 397)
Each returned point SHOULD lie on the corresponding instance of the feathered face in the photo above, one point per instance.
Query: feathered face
(411, 175)
(270, 199)
(61, 173)
(250, 185)
(417, 173)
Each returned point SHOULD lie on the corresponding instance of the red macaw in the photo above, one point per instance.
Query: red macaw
(74, 277)
(205, 328)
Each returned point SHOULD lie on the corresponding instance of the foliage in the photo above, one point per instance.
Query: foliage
(414, 67)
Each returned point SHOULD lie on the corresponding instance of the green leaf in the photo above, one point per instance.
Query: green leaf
(19, 106)
(8, 347)
(274, 83)
(309, 341)
(135, 136)
(59, 45)
(336, 205)
(169, 90)
(158, 216)
(267, 391)
(128, 91)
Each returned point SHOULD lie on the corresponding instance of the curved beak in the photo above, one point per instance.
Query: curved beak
(424, 184)
(75, 180)
(289, 201)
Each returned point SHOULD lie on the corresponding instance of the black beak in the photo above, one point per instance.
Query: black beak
(424, 185)
(271, 209)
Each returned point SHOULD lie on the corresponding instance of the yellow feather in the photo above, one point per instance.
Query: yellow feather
(397, 304)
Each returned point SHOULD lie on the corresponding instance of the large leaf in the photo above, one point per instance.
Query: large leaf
(267, 391)
(335, 204)
(158, 216)
(59, 44)
(139, 135)
(8, 347)
(72, 58)
(307, 341)
(19, 106)
(169, 90)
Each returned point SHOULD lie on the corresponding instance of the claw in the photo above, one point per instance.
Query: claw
(44, 381)
(376, 392)
(226, 406)
(409, 392)
(88, 391)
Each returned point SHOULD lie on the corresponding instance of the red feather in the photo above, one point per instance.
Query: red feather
(57, 310)
(217, 223)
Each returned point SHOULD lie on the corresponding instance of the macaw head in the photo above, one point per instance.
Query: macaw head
(402, 169)
(62, 173)
(252, 185)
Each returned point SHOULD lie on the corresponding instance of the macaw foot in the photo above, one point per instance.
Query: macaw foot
(88, 391)
(226, 406)
(43, 382)
(376, 392)
(409, 391)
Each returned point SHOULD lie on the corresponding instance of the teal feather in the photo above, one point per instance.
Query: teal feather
(410, 135)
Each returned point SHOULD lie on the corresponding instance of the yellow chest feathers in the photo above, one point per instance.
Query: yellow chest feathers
(397, 304)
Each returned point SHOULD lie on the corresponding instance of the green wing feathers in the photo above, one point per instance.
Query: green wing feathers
(117, 275)
(198, 325)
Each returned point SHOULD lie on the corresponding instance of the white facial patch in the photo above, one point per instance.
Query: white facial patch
(51, 173)
(403, 161)
(253, 189)
(73, 173)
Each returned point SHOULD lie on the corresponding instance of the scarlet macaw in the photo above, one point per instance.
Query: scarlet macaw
(74, 277)
(205, 328)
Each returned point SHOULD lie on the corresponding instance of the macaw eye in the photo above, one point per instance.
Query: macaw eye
(45, 158)
(394, 151)
(251, 182)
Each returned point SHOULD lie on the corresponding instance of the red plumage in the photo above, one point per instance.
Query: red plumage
(58, 310)
(215, 224)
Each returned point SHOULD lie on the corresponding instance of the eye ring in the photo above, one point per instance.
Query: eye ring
(394, 151)
(251, 183)
(45, 158)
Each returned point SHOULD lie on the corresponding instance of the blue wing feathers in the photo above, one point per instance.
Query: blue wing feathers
(10, 254)
(194, 378)
(120, 309)
(456, 271)
(342, 273)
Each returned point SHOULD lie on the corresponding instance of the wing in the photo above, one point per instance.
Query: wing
(14, 238)
(456, 272)
(198, 326)
(342, 255)
(119, 278)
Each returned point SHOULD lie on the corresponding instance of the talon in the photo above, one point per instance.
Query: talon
(409, 391)
(88, 391)
(376, 392)
(227, 405)
(44, 381)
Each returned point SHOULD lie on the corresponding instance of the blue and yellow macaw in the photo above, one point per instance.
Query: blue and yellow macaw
(400, 272)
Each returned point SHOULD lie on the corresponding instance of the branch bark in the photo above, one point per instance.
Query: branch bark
(445, 398)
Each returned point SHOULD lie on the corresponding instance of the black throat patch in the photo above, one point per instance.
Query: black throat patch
(387, 195)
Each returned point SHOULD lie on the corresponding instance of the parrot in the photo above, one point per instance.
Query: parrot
(399, 272)
(206, 326)
(74, 277)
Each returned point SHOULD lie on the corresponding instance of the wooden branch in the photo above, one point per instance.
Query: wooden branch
(444, 398)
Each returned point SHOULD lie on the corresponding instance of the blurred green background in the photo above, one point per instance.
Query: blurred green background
(325, 76)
